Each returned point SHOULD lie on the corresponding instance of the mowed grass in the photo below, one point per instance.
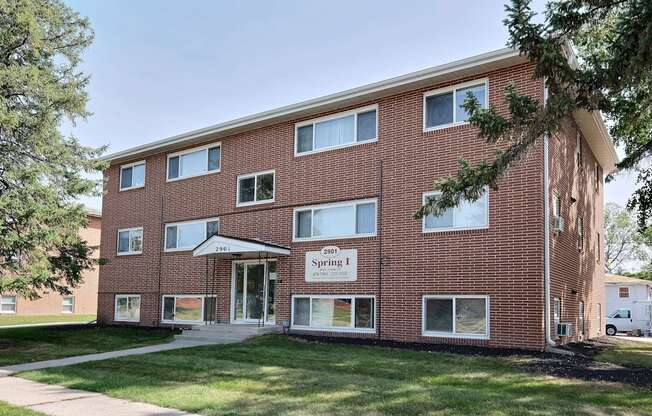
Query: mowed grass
(6, 320)
(23, 345)
(8, 410)
(276, 375)
(627, 353)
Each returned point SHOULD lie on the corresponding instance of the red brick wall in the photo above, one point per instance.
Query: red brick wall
(504, 261)
(577, 275)
(85, 294)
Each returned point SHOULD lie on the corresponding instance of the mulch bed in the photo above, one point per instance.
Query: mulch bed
(579, 365)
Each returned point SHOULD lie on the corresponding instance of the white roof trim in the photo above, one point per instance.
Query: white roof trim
(230, 247)
(316, 105)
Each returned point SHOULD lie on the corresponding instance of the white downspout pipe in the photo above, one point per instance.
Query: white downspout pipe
(546, 231)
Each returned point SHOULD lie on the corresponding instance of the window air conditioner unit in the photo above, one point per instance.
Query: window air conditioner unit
(558, 224)
(564, 330)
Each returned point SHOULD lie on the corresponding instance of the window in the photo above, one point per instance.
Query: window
(556, 206)
(188, 308)
(578, 150)
(187, 235)
(334, 313)
(443, 107)
(467, 215)
(338, 130)
(256, 188)
(598, 176)
(130, 241)
(330, 221)
(456, 316)
(599, 317)
(132, 175)
(8, 304)
(623, 292)
(581, 318)
(580, 233)
(598, 248)
(556, 313)
(68, 304)
(194, 162)
(622, 314)
(127, 308)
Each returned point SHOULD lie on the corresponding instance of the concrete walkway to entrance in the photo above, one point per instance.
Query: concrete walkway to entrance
(174, 345)
(60, 401)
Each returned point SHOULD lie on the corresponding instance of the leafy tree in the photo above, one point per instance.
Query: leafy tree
(623, 244)
(42, 172)
(613, 74)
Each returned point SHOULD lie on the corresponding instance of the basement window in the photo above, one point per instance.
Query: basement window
(68, 304)
(188, 309)
(127, 308)
(455, 316)
(8, 304)
(335, 313)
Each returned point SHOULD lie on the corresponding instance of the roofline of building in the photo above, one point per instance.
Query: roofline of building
(317, 103)
(92, 212)
(591, 123)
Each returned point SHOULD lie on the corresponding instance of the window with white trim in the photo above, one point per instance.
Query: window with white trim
(194, 162)
(329, 221)
(337, 130)
(578, 150)
(8, 304)
(132, 175)
(188, 308)
(581, 318)
(556, 206)
(467, 215)
(556, 313)
(127, 308)
(443, 107)
(68, 304)
(580, 233)
(334, 313)
(456, 316)
(188, 234)
(130, 241)
(256, 188)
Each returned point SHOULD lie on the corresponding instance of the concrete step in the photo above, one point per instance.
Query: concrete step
(208, 339)
(225, 333)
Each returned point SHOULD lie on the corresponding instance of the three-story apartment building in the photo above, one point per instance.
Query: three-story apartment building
(302, 217)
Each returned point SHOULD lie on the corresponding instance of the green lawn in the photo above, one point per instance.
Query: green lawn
(276, 375)
(22, 345)
(6, 320)
(8, 410)
(632, 353)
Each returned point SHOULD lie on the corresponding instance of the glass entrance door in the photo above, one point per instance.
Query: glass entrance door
(254, 286)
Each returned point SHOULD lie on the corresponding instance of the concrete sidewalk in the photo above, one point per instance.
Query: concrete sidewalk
(60, 401)
(174, 345)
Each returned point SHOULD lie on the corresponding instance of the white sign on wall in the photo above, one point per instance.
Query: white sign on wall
(331, 264)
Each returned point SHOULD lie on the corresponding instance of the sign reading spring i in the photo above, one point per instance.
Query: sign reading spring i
(331, 264)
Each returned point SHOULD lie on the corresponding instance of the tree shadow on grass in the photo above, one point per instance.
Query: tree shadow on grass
(278, 376)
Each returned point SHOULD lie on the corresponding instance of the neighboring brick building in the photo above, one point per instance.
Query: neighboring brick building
(330, 186)
(82, 301)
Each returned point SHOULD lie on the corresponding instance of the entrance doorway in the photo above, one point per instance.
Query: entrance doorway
(253, 292)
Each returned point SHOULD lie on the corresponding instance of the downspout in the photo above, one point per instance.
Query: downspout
(546, 231)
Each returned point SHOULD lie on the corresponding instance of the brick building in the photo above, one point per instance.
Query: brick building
(82, 300)
(302, 217)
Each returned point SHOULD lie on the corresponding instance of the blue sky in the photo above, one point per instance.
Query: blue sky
(160, 68)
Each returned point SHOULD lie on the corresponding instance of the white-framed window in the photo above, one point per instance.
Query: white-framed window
(334, 313)
(188, 308)
(556, 313)
(443, 107)
(8, 304)
(130, 241)
(578, 150)
(256, 188)
(187, 235)
(334, 221)
(336, 131)
(466, 216)
(132, 175)
(581, 318)
(68, 304)
(556, 206)
(127, 308)
(194, 162)
(580, 233)
(455, 316)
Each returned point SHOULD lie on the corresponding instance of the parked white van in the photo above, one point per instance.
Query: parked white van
(629, 304)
